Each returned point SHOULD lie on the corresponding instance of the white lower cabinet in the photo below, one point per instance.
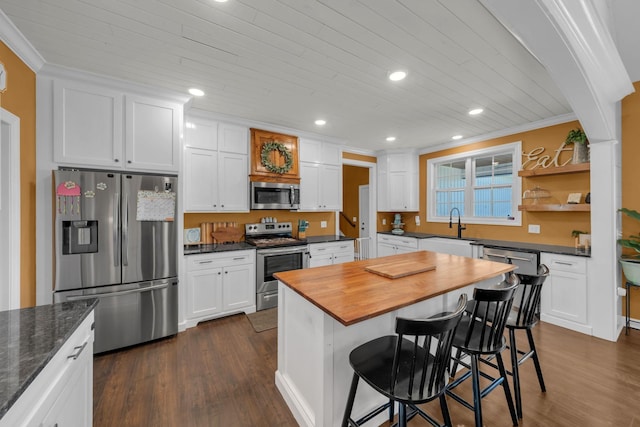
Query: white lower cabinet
(330, 253)
(219, 284)
(565, 292)
(393, 245)
(62, 394)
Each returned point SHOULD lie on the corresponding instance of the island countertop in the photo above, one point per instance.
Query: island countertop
(30, 337)
(350, 294)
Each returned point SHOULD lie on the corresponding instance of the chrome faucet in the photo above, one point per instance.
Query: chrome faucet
(460, 227)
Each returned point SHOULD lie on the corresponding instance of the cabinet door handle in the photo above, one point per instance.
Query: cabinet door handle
(129, 161)
(116, 160)
(77, 351)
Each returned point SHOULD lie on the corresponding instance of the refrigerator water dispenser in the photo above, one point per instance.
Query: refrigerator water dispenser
(79, 237)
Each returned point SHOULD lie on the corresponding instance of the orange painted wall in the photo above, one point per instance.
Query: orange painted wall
(630, 156)
(352, 178)
(555, 227)
(20, 100)
(360, 157)
(193, 220)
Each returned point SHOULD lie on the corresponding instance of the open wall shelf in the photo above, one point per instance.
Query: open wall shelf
(571, 168)
(579, 207)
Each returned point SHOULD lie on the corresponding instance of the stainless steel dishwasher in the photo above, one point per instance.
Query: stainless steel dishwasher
(527, 262)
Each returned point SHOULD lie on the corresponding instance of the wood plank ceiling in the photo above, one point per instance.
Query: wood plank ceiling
(289, 62)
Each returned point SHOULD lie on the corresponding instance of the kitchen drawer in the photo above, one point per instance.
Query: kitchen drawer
(567, 263)
(407, 242)
(330, 247)
(224, 259)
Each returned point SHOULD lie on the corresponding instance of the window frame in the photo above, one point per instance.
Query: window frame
(513, 148)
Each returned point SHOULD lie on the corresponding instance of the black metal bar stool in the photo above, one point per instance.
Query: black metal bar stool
(480, 335)
(407, 371)
(525, 315)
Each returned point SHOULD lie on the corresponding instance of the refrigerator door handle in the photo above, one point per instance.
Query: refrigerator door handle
(115, 294)
(125, 232)
(116, 229)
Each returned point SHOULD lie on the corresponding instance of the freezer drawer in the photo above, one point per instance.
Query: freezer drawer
(131, 314)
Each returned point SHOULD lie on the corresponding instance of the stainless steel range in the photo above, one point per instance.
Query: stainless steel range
(277, 250)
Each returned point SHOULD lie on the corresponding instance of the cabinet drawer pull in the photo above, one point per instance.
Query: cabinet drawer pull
(570, 264)
(205, 262)
(77, 351)
(239, 258)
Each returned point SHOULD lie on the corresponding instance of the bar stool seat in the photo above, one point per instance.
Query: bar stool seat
(480, 336)
(407, 371)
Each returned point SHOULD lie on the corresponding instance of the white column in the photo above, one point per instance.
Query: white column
(604, 304)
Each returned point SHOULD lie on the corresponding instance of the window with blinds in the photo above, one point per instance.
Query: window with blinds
(483, 185)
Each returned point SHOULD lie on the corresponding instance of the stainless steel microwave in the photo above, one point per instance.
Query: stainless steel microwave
(275, 195)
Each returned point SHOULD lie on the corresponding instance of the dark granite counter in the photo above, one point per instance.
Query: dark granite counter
(219, 247)
(327, 239)
(29, 338)
(226, 247)
(504, 244)
(529, 247)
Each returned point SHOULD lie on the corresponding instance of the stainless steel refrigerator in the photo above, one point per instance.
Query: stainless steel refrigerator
(115, 240)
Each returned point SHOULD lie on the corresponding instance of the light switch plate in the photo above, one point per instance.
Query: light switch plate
(384, 221)
(534, 228)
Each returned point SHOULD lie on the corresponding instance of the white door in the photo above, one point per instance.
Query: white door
(363, 210)
(9, 211)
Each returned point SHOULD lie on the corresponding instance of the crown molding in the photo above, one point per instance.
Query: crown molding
(18, 43)
(552, 121)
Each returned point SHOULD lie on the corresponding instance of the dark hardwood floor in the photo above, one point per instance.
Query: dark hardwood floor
(221, 373)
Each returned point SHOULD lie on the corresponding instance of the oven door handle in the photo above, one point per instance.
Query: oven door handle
(285, 250)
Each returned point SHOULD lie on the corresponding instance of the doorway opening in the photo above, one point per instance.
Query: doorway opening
(358, 216)
(9, 210)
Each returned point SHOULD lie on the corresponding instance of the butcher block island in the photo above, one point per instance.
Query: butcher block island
(325, 312)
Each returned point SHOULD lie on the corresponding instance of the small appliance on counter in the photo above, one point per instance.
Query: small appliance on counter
(397, 225)
(302, 228)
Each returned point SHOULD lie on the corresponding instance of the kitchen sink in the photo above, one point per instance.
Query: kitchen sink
(447, 245)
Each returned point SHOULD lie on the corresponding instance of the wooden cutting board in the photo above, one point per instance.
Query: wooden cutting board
(395, 270)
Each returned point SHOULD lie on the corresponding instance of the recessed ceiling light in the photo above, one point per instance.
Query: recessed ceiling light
(475, 111)
(397, 75)
(321, 122)
(220, 1)
(456, 137)
(391, 138)
(196, 92)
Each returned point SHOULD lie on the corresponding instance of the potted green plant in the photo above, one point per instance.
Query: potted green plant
(631, 262)
(578, 139)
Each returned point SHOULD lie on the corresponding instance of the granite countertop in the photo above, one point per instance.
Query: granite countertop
(218, 247)
(29, 338)
(504, 244)
(226, 247)
(327, 239)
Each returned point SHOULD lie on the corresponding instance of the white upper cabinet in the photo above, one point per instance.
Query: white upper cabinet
(320, 175)
(87, 125)
(152, 137)
(398, 182)
(233, 138)
(97, 126)
(216, 167)
(201, 133)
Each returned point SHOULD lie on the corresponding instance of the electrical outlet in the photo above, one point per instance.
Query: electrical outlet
(384, 221)
(534, 228)
(323, 224)
(417, 219)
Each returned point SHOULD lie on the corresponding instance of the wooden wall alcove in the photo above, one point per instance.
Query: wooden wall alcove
(258, 171)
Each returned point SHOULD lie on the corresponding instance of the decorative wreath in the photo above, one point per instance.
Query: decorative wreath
(270, 146)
